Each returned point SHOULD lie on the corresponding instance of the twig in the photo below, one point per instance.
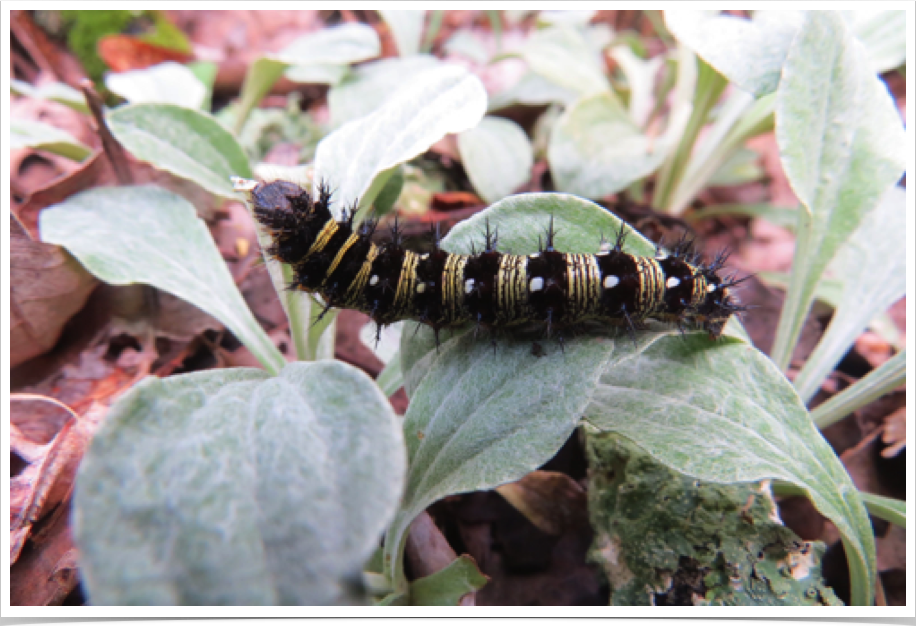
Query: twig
(428, 551)
(113, 150)
(33, 40)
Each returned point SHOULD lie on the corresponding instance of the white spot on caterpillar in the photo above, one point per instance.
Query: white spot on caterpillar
(672, 282)
(421, 287)
(661, 255)
(711, 288)
(423, 257)
(611, 281)
(469, 285)
(604, 249)
(536, 284)
(373, 281)
(534, 256)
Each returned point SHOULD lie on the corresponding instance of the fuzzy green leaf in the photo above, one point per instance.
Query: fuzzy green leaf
(467, 44)
(366, 87)
(166, 83)
(883, 33)
(357, 159)
(640, 77)
(260, 77)
(189, 144)
(55, 92)
(497, 156)
(872, 268)
(231, 487)
(562, 55)
(842, 146)
(149, 235)
(317, 74)
(531, 89)
(41, 136)
(740, 168)
(407, 29)
(595, 148)
(340, 45)
(750, 53)
(889, 376)
(894, 511)
(447, 586)
(311, 57)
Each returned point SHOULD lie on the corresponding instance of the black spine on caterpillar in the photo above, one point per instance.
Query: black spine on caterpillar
(489, 289)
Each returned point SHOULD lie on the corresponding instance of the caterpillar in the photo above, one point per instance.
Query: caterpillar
(558, 290)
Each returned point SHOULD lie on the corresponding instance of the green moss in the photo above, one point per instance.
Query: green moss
(664, 538)
(164, 33)
(85, 28)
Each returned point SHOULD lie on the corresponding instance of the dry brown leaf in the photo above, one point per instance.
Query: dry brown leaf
(454, 200)
(79, 381)
(242, 357)
(259, 292)
(526, 566)
(54, 114)
(31, 170)
(46, 481)
(48, 55)
(873, 348)
(233, 225)
(891, 547)
(859, 461)
(552, 501)
(97, 172)
(123, 53)
(46, 572)
(894, 434)
(145, 312)
(244, 33)
(93, 172)
(427, 551)
(47, 287)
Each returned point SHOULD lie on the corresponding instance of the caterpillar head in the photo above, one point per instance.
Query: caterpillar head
(288, 213)
(719, 304)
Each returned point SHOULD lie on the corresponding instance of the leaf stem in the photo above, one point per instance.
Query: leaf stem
(717, 148)
(710, 85)
(799, 296)
(886, 378)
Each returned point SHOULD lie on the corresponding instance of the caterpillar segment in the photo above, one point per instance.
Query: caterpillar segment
(493, 290)
(512, 288)
(453, 290)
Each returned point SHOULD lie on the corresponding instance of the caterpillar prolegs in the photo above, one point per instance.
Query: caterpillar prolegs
(559, 290)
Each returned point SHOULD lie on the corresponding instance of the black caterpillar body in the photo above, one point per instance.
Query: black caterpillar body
(493, 290)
